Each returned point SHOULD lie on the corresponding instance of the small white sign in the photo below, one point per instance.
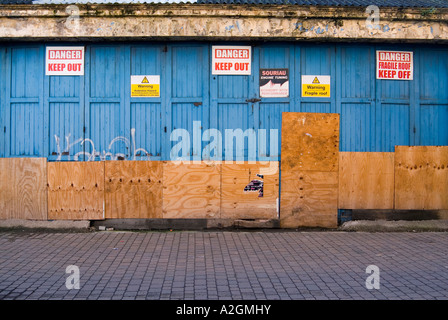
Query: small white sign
(231, 60)
(64, 61)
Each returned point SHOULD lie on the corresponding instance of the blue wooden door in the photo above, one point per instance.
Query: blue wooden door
(431, 118)
(269, 110)
(64, 117)
(104, 106)
(24, 129)
(187, 104)
(94, 117)
(145, 130)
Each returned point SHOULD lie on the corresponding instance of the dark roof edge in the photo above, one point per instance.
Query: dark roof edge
(408, 4)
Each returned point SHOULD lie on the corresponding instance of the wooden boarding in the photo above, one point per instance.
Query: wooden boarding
(239, 204)
(309, 170)
(421, 177)
(191, 190)
(310, 141)
(23, 185)
(366, 180)
(76, 190)
(309, 199)
(133, 189)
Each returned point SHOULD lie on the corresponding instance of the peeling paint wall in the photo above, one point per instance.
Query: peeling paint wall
(219, 22)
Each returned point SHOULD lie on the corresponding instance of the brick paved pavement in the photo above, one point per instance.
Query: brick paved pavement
(223, 265)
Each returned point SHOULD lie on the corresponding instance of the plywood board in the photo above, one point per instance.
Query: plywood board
(366, 180)
(236, 203)
(421, 177)
(7, 195)
(23, 185)
(76, 190)
(191, 190)
(309, 199)
(309, 170)
(133, 189)
(310, 141)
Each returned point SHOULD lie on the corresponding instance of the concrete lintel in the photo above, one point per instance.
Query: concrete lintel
(218, 10)
(219, 22)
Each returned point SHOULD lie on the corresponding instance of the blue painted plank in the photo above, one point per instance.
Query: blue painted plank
(104, 136)
(3, 53)
(433, 125)
(66, 133)
(235, 130)
(189, 102)
(104, 72)
(395, 126)
(187, 73)
(356, 73)
(25, 130)
(433, 74)
(25, 113)
(269, 144)
(146, 130)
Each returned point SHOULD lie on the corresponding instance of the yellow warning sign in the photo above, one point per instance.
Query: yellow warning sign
(145, 86)
(316, 86)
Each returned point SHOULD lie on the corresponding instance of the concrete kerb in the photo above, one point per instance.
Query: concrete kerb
(269, 225)
(184, 224)
(46, 225)
(204, 225)
(395, 226)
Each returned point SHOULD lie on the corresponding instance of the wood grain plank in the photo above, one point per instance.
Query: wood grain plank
(309, 199)
(310, 141)
(7, 189)
(421, 177)
(309, 170)
(366, 180)
(76, 190)
(23, 184)
(191, 190)
(133, 189)
(239, 204)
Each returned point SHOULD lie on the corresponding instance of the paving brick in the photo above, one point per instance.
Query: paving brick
(224, 265)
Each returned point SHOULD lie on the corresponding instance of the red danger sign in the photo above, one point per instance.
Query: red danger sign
(221, 53)
(65, 54)
(231, 60)
(394, 65)
(64, 61)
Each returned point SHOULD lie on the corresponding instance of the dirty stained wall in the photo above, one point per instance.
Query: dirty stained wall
(220, 22)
